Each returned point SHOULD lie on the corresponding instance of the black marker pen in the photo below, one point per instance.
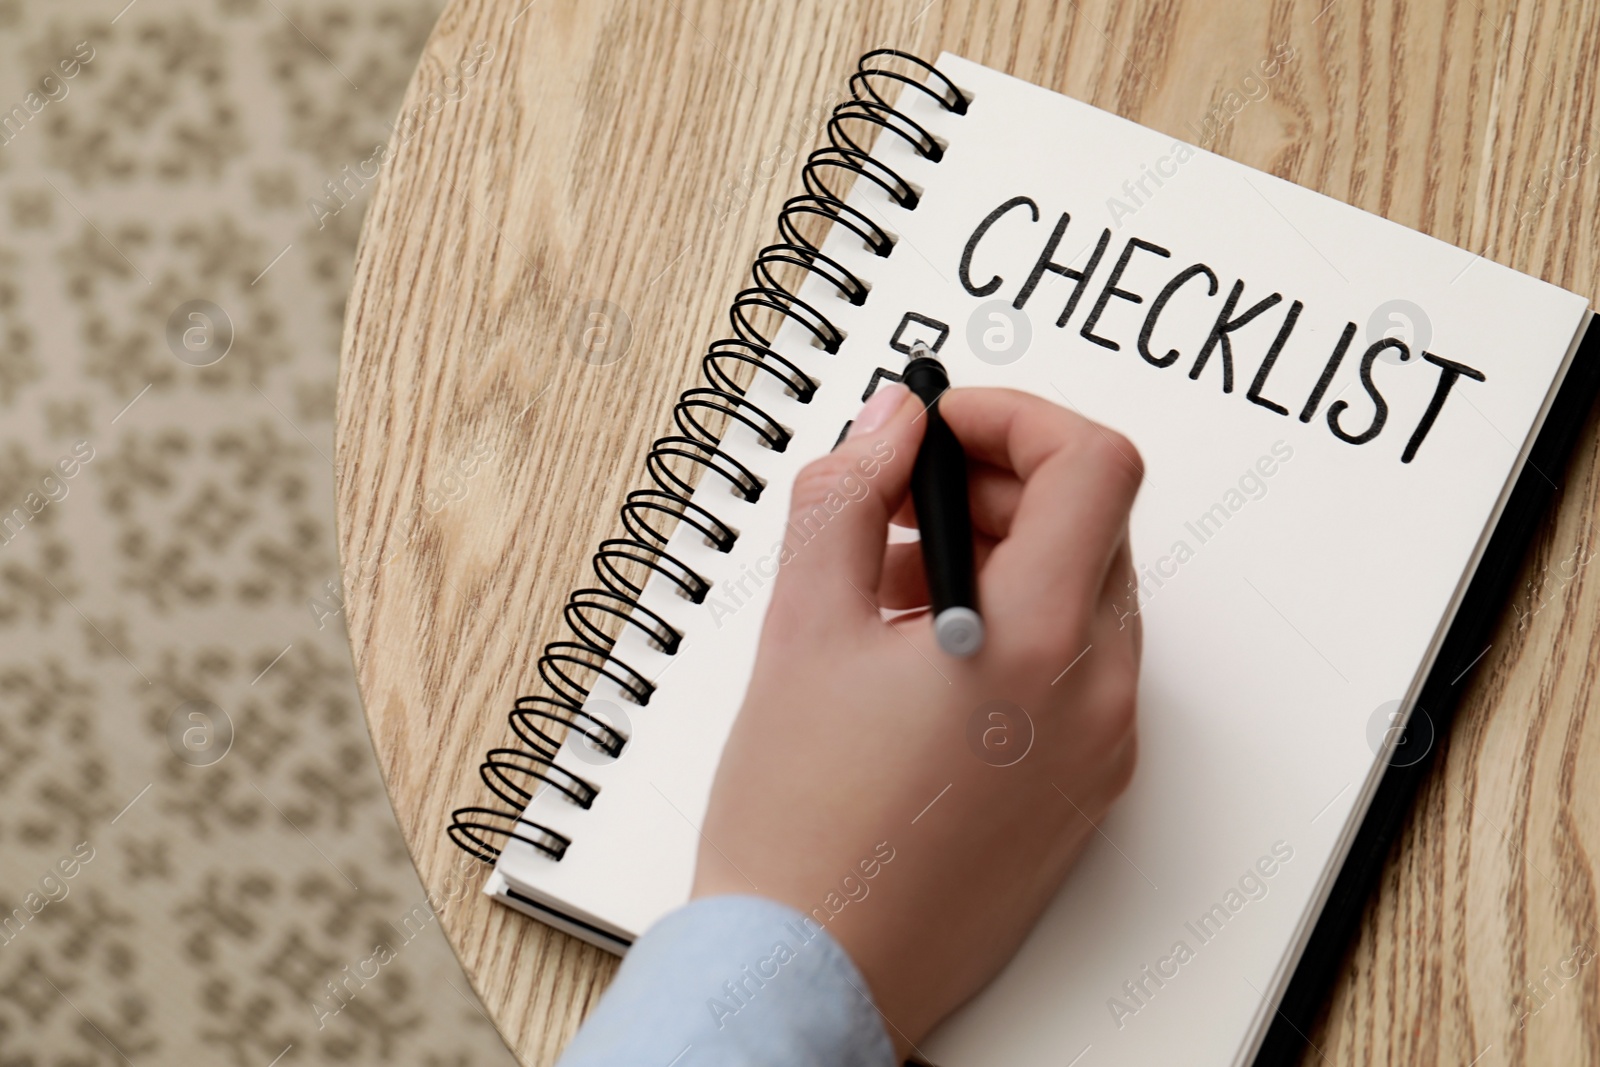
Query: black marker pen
(939, 493)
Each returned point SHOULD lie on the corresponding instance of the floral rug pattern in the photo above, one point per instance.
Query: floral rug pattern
(198, 863)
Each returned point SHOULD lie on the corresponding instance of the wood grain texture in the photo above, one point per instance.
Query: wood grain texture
(589, 159)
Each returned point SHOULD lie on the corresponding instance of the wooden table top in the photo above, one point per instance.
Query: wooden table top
(637, 153)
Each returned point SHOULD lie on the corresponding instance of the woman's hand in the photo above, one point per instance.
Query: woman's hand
(925, 809)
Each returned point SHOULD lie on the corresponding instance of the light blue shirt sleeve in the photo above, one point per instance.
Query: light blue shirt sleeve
(732, 981)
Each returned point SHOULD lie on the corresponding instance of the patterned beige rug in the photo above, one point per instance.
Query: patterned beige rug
(197, 860)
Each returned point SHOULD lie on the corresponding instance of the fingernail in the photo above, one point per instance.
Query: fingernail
(876, 411)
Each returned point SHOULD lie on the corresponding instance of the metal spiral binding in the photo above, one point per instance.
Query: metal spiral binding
(515, 774)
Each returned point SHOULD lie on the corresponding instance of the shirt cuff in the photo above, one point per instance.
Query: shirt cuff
(734, 980)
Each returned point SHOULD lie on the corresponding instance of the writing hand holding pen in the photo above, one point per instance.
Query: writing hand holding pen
(856, 732)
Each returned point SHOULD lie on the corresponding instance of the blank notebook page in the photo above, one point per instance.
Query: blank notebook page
(1294, 584)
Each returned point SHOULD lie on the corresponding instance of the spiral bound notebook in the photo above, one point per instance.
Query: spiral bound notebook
(1349, 429)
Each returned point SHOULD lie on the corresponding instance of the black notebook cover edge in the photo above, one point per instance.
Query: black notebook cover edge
(1288, 1035)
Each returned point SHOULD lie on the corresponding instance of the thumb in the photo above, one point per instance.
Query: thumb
(839, 512)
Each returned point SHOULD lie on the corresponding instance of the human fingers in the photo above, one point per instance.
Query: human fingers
(1079, 480)
(839, 510)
